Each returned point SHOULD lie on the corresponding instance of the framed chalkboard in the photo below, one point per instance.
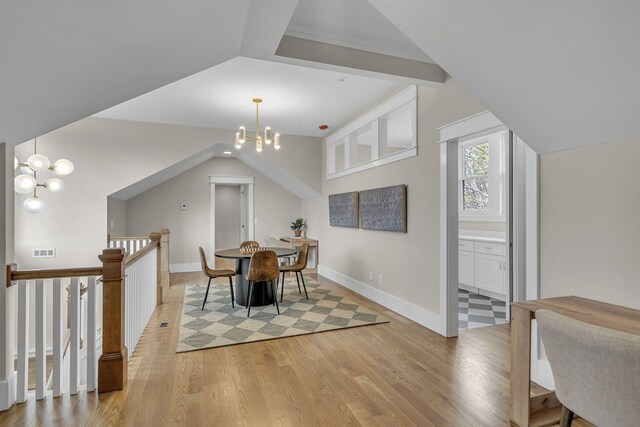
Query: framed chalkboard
(343, 209)
(384, 209)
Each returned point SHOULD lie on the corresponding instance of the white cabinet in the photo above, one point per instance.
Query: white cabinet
(482, 266)
(490, 273)
(465, 268)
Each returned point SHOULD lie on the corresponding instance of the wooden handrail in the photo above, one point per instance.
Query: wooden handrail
(142, 252)
(111, 238)
(14, 275)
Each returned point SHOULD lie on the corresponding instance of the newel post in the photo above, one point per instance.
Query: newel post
(164, 258)
(112, 365)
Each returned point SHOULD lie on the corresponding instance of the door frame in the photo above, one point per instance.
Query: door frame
(249, 182)
(522, 236)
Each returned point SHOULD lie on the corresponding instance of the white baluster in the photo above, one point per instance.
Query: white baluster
(92, 360)
(74, 343)
(41, 340)
(23, 341)
(58, 336)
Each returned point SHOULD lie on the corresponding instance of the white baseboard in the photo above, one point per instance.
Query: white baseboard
(543, 375)
(185, 268)
(8, 390)
(420, 315)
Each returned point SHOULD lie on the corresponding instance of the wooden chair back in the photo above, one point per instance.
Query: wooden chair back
(263, 266)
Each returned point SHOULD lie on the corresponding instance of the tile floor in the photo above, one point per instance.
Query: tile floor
(475, 310)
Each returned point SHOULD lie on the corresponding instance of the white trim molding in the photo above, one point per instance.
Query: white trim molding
(420, 315)
(8, 392)
(186, 267)
(473, 126)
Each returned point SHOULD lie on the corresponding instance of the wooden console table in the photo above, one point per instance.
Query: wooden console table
(541, 410)
(294, 241)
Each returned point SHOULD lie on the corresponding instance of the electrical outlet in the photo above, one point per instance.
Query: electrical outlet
(371, 275)
(380, 279)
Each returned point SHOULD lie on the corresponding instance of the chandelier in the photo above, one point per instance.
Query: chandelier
(269, 136)
(27, 181)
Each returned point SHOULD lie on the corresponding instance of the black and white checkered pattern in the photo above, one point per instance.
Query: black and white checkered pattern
(219, 324)
(476, 310)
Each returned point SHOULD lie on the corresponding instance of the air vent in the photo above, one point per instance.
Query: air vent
(44, 253)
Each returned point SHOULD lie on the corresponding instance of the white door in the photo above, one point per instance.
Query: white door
(491, 273)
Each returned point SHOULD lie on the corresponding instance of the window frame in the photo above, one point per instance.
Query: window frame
(496, 178)
(347, 135)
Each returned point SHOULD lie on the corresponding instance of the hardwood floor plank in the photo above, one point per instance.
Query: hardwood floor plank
(394, 374)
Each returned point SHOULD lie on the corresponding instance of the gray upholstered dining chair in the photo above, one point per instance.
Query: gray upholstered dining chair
(263, 268)
(596, 370)
(213, 274)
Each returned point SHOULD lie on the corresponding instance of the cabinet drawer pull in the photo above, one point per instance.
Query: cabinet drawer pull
(488, 247)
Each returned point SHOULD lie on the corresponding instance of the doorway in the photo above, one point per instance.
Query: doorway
(488, 222)
(231, 212)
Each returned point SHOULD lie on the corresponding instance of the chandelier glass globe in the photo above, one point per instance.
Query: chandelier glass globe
(55, 185)
(63, 167)
(24, 184)
(38, 162)
(33, 205)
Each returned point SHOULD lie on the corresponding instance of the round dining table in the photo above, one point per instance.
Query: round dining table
(262, 295)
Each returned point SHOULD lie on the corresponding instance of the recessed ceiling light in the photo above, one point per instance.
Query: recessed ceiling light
(344, 79)
(227, 152)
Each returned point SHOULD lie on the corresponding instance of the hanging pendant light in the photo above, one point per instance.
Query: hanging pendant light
(269, 137)
(27, 182)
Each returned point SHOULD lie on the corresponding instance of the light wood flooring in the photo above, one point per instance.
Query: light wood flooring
(391, 374)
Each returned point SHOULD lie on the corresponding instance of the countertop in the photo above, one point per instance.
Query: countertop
(482, 236)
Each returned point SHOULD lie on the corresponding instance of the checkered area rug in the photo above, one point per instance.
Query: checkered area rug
(220, 325)
(476, 310)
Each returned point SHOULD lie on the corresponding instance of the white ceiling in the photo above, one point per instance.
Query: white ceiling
(351, 23)
(561, 74)
(296, 99)
(65, 60)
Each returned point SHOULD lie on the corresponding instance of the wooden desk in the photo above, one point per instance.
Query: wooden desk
(294, 241)
(540, 410)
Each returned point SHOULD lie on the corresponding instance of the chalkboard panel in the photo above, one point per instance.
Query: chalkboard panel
(343, 209)
(384, 209)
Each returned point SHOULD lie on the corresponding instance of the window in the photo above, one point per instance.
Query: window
(482, 166)
(385, 134)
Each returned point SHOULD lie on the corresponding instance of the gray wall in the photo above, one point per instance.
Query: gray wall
(409, 262)
(590, 223)
(159, 208)
(116, 217)
(110, 155)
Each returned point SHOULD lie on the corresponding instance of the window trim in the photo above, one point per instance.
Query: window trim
(372, 118)
(496, 178)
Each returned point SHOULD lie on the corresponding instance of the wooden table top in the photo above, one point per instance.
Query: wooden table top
(594, 312)
(299, 240)
(235, 253)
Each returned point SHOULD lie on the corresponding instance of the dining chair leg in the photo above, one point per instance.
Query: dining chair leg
(282, 290)
(298, 279)
(249, 300)
(206, 294)
(275, 294)
(304, 285)
(231, 288)
(566, 417)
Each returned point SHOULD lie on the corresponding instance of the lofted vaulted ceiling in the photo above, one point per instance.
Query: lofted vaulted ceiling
(296, 99)
(562, 74)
